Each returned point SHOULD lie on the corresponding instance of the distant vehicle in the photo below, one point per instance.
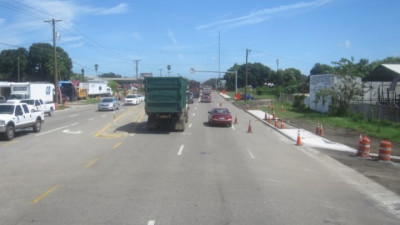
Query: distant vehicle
(166, 102)
(190, 98)
(81, 93)
(15, 116)
(141, 97)
(109, 103)
(194, 88)
(2, 99)
(96, 89)
(44, 91)
(249, 97)
(69, 90)
(220, 116)
(205, 97)
(132, 99)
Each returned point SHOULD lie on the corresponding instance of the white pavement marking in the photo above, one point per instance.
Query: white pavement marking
(180, 150)
(250, 153)
(190, 125)
(73, 115)
(104, 115)
(50, 131)
(72, 132)
(195, 108)
(91, 119)
(194, 114)
(151, 222)
(74, 124)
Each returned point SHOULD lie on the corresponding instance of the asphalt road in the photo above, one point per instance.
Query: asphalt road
(90, 167)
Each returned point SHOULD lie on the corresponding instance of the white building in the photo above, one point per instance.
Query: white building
(319, 82)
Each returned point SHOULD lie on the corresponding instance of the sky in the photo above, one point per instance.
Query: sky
(205, 35)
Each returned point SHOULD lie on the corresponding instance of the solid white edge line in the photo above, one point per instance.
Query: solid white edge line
(74, 124)
(50, 131)
(190, 125)
(151, 222)
(180, 150)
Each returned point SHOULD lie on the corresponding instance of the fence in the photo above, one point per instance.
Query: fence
(378, 111)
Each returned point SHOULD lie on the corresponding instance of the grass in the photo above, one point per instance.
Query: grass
(379, 129)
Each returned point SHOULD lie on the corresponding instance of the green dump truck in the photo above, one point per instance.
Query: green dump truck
(165, 102)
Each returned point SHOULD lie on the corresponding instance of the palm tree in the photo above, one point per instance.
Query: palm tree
(96, 66)
(168, 68)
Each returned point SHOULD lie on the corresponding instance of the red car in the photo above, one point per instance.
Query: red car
(220, 116)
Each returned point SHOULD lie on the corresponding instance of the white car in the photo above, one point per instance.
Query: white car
(132, 99)
(141, 97)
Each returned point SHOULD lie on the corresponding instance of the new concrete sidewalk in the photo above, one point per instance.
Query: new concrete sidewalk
(307, 138)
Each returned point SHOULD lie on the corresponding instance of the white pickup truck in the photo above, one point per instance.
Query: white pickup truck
(15, 116)
(39, 105)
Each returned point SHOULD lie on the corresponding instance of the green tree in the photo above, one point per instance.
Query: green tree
(114, 86)
(348, 86)
(110, 75)
(41, 63)
(96, 67)
(10, 61)
(319, 68)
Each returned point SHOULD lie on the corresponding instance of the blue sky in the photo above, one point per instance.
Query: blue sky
(185, 34)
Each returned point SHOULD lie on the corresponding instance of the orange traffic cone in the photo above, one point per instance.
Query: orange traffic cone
(282, 108)
(269, 105)
(269, 119)
(274, 116)
(266, 115)
(250, 130)
(298, 142)
(276, 123)
(321, 130)
(272, 107)
(282, 125)
(236, 120)
(317, 129)
(247, 107)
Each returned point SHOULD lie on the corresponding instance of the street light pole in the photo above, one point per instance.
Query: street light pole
(245, 87)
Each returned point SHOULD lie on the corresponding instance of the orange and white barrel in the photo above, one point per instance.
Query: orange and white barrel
(364, 147)
(385, 149)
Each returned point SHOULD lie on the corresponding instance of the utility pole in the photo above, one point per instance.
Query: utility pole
(18, 68)
(137, 76)
(56, 88)
(245, 87)
(219, 58)
(160, 72)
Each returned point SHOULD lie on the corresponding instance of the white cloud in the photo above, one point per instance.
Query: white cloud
(171, 36)
(347, 44)
(136, 35)
(260, 15)
(119, 9)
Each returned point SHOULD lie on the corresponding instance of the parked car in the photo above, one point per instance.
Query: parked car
(132, 99)
(109, 103)
(249, 96)
(220, 116)
(2, 99)
(205, 97)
